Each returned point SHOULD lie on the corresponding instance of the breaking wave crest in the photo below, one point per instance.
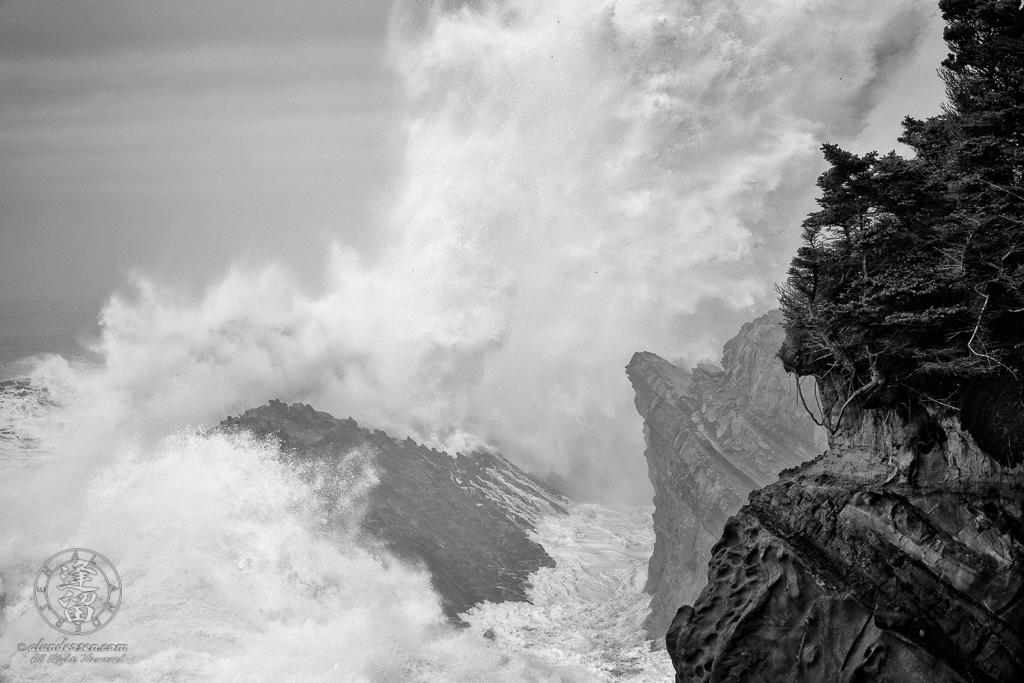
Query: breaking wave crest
(581, 179)
(235, 571)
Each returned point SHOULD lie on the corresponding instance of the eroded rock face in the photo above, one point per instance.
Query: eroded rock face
(898, 555)
(713, 435)
(465, 518)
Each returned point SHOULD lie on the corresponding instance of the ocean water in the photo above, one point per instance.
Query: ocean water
(581, 179)
(232, 571)
(37, 325)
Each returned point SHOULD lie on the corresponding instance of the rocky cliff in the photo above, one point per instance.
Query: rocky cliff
(713, 435)
(898, 555)
(465, 518)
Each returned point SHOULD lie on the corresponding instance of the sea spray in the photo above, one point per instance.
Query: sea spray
(580, 179)
(235, 567)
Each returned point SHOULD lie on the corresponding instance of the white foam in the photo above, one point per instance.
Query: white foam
(587, 611)
(232, 570)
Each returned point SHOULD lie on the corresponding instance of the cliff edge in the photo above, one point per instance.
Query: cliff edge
(898, 555)
(713, 435)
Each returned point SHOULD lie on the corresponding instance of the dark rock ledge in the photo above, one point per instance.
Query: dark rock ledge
(889, 558)
(466, 518)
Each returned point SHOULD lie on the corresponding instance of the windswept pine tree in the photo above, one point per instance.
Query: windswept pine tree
(908, 289)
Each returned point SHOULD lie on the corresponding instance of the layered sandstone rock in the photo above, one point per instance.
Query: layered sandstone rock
(466, 518)
(713, 435)
(898, 555)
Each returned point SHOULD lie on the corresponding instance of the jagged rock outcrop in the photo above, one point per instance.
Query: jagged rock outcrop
(465, 518)
(898, 555)
(713, 435)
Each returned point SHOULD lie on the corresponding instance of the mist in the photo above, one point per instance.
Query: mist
(578, 181)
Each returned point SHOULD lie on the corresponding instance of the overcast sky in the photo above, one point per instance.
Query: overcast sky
(172, 137)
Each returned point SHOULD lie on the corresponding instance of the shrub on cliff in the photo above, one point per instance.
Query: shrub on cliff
(908, 284)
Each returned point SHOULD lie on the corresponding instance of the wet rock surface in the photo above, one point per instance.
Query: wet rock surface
(713, 435)
(466, 518)
(888, 558)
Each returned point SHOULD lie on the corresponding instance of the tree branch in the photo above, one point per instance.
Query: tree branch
(800, 393)
(870, 385)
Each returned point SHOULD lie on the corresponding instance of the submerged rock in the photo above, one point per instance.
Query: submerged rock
(713, 435)
(466, 518)
(898, 555)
